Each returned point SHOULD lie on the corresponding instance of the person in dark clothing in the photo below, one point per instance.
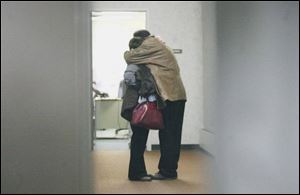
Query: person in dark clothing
(153, 53)
(142, 85)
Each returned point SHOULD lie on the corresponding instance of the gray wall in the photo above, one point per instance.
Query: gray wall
(258, 97)
(44, 114)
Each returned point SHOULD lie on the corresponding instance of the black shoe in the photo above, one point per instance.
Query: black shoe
(159, 176)
(143, 178)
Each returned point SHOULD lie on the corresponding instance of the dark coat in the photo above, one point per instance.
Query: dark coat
(146, 86)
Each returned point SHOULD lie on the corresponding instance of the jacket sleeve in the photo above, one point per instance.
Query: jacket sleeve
(143, 54)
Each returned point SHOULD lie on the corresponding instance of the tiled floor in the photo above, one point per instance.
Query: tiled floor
(111, 144)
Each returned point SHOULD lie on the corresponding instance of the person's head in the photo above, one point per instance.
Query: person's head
(142, 33)
(135, 42)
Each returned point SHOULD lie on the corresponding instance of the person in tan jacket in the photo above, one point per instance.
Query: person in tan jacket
(163, 65)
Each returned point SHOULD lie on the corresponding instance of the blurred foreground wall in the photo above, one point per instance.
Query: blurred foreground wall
(257, 97)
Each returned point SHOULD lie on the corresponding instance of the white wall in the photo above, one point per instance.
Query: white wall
(258, 97)
(45, 137)
(207, 134)
(179, 24)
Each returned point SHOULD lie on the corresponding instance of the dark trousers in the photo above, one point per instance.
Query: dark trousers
(138, 142)
(169, 138)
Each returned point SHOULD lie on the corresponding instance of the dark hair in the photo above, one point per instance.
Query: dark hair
(141, 33)
(135, 42)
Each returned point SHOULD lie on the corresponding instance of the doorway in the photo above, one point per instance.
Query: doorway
(111, 32)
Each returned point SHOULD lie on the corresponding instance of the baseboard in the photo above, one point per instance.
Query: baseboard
(206, 152)
(182, 147)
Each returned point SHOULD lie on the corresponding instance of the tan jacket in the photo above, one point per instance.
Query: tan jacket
(163, 65)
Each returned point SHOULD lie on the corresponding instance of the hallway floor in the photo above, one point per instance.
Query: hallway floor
(111, 168)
